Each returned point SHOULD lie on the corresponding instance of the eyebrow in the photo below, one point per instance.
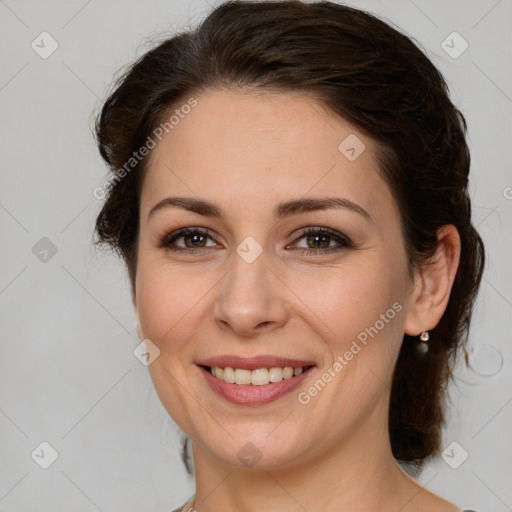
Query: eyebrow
(280, 211)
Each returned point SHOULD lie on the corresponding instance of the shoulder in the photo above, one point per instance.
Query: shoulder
(184, 507)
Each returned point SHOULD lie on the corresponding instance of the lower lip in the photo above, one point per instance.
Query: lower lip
(249, 394)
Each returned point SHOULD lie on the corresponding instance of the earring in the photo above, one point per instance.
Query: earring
(423, 346)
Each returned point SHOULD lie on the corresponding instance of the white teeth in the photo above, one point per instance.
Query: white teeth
(275, 374)
(288, 372)
(229, 375)
(241, 376)
(258, 377)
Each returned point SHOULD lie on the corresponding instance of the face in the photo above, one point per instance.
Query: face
(297, 260)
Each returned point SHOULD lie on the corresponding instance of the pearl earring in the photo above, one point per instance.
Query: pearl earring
(423, 346)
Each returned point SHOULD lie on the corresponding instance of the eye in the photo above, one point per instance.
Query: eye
(194, 239)
(318, 241)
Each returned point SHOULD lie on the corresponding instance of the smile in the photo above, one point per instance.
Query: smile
(256, 377)
(254, 387)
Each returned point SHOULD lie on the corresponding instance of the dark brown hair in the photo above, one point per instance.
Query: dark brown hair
(366, 72)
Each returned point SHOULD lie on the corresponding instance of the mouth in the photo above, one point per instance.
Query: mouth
(256, 380)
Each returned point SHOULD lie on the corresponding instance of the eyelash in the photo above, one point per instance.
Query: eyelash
(345, 242)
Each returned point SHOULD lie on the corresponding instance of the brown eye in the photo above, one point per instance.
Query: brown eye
(192, 239)
(322, 240)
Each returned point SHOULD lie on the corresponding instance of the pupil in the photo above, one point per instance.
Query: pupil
(195, 239)
(317, 238)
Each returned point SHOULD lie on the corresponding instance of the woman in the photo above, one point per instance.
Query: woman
(289, 192)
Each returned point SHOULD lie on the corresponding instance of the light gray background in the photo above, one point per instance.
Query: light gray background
(67, 372)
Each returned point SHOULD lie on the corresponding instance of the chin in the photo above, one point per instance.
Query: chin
(254, 448)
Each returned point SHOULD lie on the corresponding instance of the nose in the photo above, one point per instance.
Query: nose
(252, 299)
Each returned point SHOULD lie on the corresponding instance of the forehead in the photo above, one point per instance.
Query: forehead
(259, 147)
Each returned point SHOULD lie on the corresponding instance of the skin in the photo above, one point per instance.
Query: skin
(246, 151)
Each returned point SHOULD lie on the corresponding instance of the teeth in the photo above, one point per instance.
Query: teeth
(258, 377)
(241, 376)
(287, 372)
(275, 374)
(229, 375)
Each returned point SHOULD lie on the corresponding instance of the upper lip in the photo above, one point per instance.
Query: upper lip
(254, 362)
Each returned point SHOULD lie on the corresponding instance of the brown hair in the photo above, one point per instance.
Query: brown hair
(370, 74)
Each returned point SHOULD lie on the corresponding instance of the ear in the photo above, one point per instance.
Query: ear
(433, 284)
(137, 319)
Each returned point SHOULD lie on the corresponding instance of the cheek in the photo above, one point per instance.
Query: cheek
(359, 309)
(348, 298)
(169, 302)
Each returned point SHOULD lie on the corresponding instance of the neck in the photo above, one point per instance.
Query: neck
(360, 473)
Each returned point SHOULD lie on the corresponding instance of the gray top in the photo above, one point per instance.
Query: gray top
(181, 509)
